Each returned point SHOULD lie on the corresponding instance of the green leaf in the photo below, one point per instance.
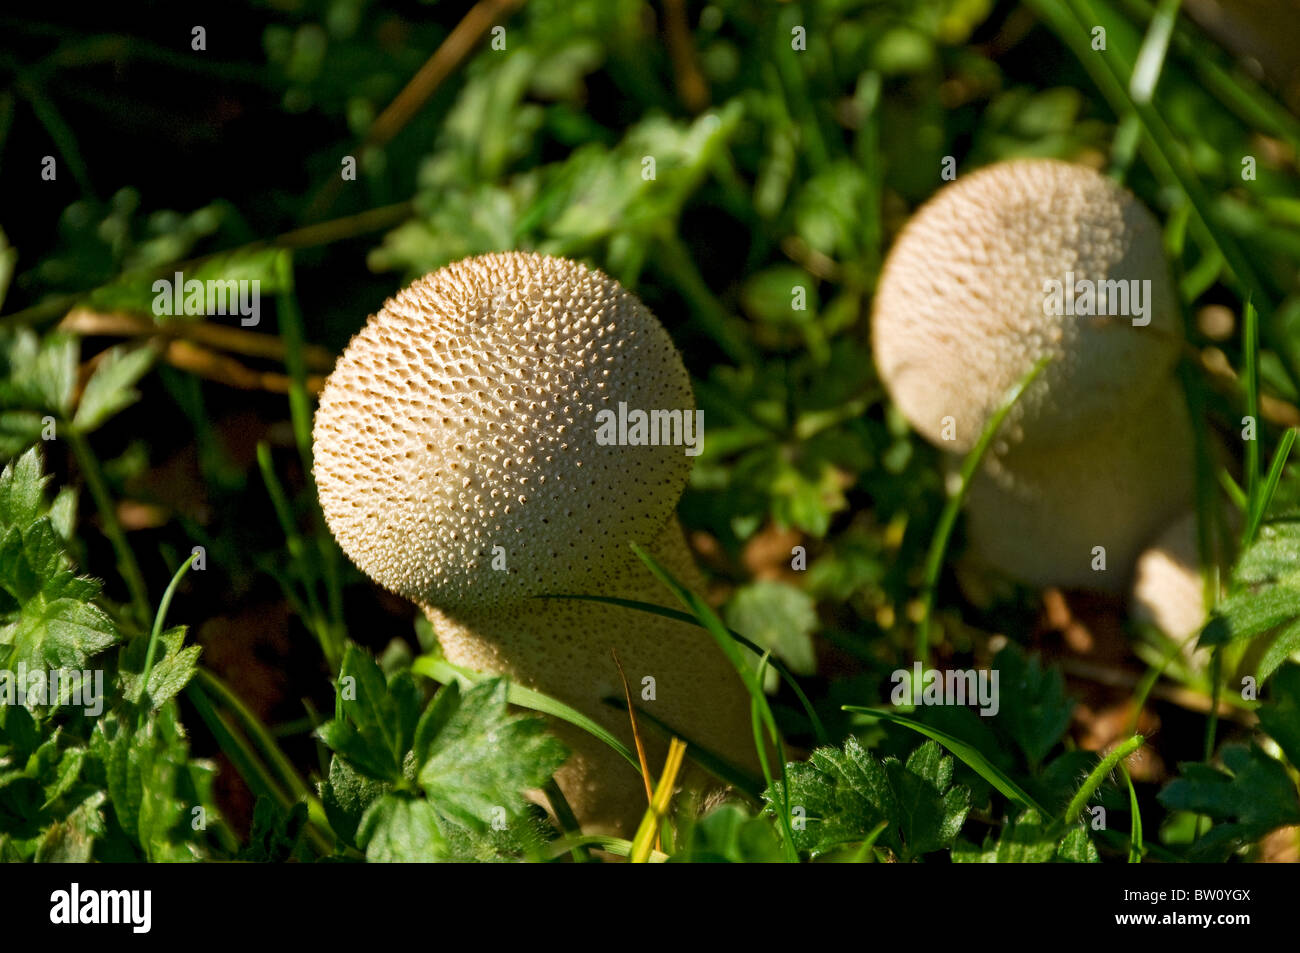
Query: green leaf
(839, 795)
(1026, 839)
(1280, 716)
(1034, 709)
(171, 672)
(398, 828)
(1250, 614)
(1284, 647)
(111, 387)
(72, 839)
(378, 720)
(1249, 796)
(21, 487)
(779, 617)
(346, 794)
(730, 834)
(971, 756)
(478, 758)
(932, 809)
(277, 835)
(47, 379)
(1077, 847)
(62, 633)
(152, 785)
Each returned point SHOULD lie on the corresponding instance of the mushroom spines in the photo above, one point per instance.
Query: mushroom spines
(457, 451)
(962, 310)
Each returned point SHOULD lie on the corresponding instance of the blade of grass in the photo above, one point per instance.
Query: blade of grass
(1235, 493)
(643, 844)
(706, 758)
(1250, 356)
(267, 747)
(1135, 845)
(819, 729)
(443, 672)
(948, 518)
(568, 820)
(864, 851)
(968, 754)
(636, 734)
(254, 771)
(753, 684)
(618, 846)
(1151, 57)
(1271, 481)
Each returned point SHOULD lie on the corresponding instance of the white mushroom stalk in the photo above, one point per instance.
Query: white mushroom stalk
(462, 463)
(1014, 262)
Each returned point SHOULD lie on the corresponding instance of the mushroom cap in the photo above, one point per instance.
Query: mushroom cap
(959, 313)
(1038, 514)
(463, 417)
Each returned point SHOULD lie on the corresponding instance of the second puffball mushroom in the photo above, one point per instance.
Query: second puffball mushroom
(458, 464)
(1096, 455)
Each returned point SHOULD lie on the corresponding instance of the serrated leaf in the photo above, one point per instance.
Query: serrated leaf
(346, 794)
(483, 758)
(1250, 614)
(151, 783)
(1033, 706)
(172, 668)
(1280, 716)
(398, 828)
(1026, 839)
(277, 835)
(21, 486)
(839, 796)
(111, 388)
(931, 808)
(1077, 847)
(1251, 795)
(48, 381)
(379, 717)
(62, 633)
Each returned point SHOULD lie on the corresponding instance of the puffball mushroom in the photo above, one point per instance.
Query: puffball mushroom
(1097, 450)
(1040, 515)
(459, 464)
(1168, 591)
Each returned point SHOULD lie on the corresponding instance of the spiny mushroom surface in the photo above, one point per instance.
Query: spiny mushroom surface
(463, 417)
(1097, 452)
(960, 314)
(458, 464)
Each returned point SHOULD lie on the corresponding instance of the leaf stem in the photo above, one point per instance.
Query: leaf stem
(126, 561)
